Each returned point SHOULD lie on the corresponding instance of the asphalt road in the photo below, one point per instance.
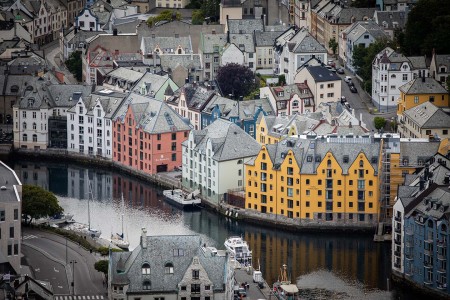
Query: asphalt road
(45, 253)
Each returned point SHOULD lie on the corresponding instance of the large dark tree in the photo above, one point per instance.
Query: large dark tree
(236, 79)
(427, 28)
(39, 203)
(74, 65)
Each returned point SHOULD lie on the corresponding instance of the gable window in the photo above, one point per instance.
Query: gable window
(195, 274)
(168, 269)
(146, 269)
(195, 288)
(146, 285)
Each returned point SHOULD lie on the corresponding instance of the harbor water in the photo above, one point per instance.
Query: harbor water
(324, 265)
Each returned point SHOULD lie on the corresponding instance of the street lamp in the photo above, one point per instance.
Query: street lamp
(73, 262)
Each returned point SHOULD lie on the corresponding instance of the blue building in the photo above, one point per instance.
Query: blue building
(244, 114)
(421, 218)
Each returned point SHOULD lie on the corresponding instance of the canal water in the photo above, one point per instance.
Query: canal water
(324, 266)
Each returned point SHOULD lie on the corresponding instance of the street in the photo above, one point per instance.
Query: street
(52, 260)
(52, 55)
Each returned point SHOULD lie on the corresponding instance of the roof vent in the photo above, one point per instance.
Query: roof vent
(3, 188)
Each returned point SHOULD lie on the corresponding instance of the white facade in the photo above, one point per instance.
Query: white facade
(87, 21)
(88, 131)
(232, 54)
(397, 228)
(30, 127)
(390, 70)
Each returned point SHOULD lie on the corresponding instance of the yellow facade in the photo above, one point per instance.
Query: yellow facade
(328, 194)
(266, 136)
(411, 99)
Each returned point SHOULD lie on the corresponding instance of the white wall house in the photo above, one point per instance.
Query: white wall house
(296, 51)
(89, 125)
(390, 70)
(398, 226)
(87, 21)
(213, 158)
(232, 54)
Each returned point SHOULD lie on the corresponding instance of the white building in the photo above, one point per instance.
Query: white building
(10, 220)
(390, 70)
(213, 158)
(89, 125)
(87, 20)
(294, 50)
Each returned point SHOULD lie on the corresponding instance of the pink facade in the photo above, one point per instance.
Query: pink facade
(150, 152)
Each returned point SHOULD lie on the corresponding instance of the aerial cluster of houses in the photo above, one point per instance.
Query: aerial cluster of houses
(150, 101)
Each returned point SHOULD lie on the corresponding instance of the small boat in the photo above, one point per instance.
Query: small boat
(283, 289)
(91, 231)
(56, 219)
(239, 249)
(119, 239)
(186, 201)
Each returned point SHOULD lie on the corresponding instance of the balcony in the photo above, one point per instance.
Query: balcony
(409, 273)
(442, 244)
(441, 286)
(428, 252)
(441, 257)
(398, 229)
(428, 281)
(397, 253)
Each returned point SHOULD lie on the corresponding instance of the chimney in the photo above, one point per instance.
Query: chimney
(144, 238)
(421, 184)
(228, 36)
(115, 31)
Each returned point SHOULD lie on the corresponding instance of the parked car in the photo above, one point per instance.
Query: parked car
(340, 71)
(331, 63)
(350, 83)
(353, 89)
(343, 99)
(330, 68)
(347, 79)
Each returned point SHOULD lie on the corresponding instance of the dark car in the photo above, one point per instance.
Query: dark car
(350, 83)
(340, 71)
(353, 89)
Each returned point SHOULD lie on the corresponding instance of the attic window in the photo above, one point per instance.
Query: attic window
(146, 269)
(309, 158)
(168, 268)
(178, 252)
(146, 285)
(14, 89)
(345, 159)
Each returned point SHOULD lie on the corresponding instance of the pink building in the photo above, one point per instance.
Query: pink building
(147, 135)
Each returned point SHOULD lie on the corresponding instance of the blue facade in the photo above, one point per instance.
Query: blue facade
(426, 255)
(248, 123)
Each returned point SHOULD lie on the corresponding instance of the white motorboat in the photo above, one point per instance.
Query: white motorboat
(183, 200)
(239, 249)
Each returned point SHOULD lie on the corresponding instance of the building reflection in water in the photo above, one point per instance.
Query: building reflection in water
(352, 257)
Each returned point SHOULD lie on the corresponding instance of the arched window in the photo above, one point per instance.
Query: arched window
(329, 163)
(24, 125)
(361, 163)
(168, 268)
(146, 285)
(34, 126)
(179, 51)
(34, 137)
(146, 269)
(264, 156)
(239, 162)
(24, 137)
(295, 104)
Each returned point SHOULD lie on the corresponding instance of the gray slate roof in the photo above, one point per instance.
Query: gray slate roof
(8, 178)
(245, 25)
(166, 44)
(229, 141)
(150, 82)
(321, 74)
(151, 115)
(209, 40)
(387, 19)
(267, 38)
(304, 42)
(187, 61)
(196, 96)
(423, 85)
(159, 251)
(356, 30)
(428, 115)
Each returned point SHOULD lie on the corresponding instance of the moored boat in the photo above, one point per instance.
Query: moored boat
(186, 201)
(283, 289)
(239, 249)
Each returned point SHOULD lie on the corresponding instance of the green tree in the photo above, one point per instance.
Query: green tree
(333, 45)
(281, 79)
(379, 122)
(427, 28)
(165, 15)
(236, 79)
(39, 203)
(198, 17)
(102, 266)
(74, 64)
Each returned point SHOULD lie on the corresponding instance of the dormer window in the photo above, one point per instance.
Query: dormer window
(168, 268)
(146, 285)
(280, 94)
(146, 269)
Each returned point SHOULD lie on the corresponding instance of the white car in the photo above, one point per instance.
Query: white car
(348, 79)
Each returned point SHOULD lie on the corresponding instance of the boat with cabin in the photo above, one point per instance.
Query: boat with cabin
(283, 289)
(183, 200)
(239, 249)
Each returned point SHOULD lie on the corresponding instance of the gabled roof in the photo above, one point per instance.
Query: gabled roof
(322, 74)
(428, 115)
(151, 82)
(166, 44)
(245, 25)
(423, 85)
(358, 29)
(229, 141)
(304, 42)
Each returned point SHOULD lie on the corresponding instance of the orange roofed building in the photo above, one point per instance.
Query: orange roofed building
(148, 134)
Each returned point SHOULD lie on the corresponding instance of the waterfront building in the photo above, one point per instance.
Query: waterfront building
(421, 90)
(170, 267)
(214, 157)
(324, 85)
(294, 50)
(89, 125)
(147, 134)
(332, 179)
(289, 99)
(10, 220)
(425, 120)
(190, 100)
(40, 116)
(390, 70)
(421, 228)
